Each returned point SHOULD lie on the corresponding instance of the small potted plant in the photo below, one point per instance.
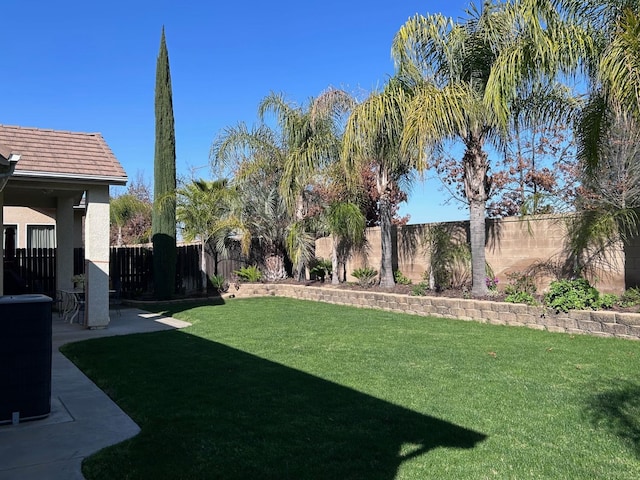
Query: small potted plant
(78, 281)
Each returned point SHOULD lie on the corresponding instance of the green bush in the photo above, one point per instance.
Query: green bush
(607, 300)
(521, 297)
(249, 274)
(520, 282)
(321, 268)
(630, 298)
(366, 276)
(219, 283)
(520, 289)
(420, 289)
(577, 294)
(400, 278)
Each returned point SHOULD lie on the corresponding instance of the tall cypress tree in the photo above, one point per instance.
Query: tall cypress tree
(164, 205)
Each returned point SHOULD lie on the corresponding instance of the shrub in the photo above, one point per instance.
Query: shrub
(565, 295)
(520, 289)
(419, 289)
(400, 278)
(321, 268)
(607, 300)
(366, 276)
(520, 282)
(219, 283)
(249, 274)
(630, 298)
(521, 297)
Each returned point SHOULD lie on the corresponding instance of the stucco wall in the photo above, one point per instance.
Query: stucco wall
(513, 245)
(23, 216)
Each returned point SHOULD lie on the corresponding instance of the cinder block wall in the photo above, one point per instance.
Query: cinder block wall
(596, 323)
(513, 245)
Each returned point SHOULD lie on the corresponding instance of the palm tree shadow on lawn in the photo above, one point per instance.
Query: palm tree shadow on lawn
(235, 415)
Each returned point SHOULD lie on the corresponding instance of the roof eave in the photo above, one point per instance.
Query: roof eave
(111, 180)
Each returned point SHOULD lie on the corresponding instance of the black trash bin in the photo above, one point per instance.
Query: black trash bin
(25, 357)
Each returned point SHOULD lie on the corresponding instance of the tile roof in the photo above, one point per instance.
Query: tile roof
(72, 154)
(5, 153)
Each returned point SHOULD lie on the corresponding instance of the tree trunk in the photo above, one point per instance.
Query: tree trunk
(299, 216)
(386, 264)
(334, 260)
(478, 258)
(203, 265)
(274, 268)
(477, 185)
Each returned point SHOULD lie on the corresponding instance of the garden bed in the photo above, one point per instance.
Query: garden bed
(603, 323)
(494, 296)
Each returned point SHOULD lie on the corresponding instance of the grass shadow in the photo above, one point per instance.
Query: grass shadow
(617, 410)
(210, 411)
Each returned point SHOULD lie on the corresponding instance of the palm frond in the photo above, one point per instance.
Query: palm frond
(374, 133)
(300, 243)
(238, 151)
(620, 64)
(592, 129)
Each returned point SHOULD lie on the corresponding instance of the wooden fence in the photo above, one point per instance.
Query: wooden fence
(31, 271)
(131, 269)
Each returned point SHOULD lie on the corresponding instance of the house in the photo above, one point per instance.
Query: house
(46, 174)
(36, 227)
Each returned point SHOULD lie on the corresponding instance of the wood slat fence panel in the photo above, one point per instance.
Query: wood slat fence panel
(31, 271)
(34, 271)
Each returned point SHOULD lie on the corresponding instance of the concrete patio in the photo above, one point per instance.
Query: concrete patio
(83, 418)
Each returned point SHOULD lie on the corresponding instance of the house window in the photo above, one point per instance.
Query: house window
(4, 235)
(41, 236)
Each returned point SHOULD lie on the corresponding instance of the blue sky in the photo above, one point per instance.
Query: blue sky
(90, 67)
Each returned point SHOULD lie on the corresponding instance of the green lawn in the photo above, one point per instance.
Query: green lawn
(277, 388)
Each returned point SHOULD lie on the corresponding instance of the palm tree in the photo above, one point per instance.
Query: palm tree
(312, 141)
(204, 211)
(609, 196)
(372, 136)
(600, 39)
(472, 73)
(255, 157)
(614, 73)
(454, 61)
(346, 224)
(310, 138)
(306, 141)
(266, 220)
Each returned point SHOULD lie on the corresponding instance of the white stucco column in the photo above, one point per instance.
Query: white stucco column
(64, 243)
(96, 235)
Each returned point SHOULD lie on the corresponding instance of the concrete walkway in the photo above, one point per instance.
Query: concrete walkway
(83, 418)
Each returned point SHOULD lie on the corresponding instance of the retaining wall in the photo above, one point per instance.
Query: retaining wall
(597, 323)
